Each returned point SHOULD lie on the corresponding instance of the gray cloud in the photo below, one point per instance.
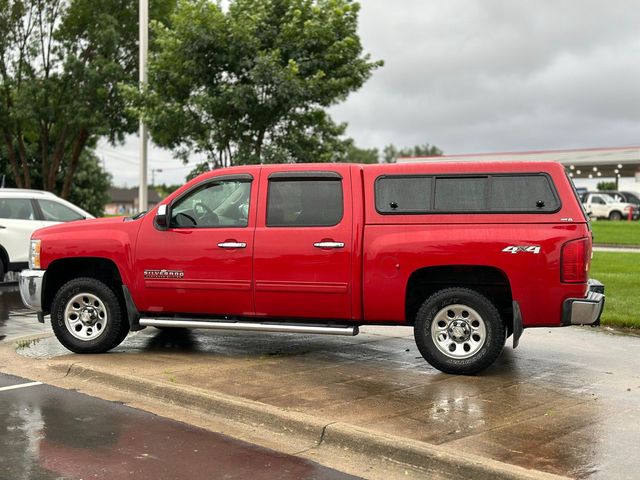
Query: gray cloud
(485, 75)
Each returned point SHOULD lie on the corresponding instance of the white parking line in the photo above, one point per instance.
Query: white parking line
(21, 385)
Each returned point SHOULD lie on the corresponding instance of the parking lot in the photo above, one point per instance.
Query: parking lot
(565, 402)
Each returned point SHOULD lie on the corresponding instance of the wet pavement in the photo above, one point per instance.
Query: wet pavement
(15, 319)
(567, 401)
(51, 433)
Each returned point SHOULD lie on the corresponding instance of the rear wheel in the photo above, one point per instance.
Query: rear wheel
(86, 316)
(459, 331)
(615, 215)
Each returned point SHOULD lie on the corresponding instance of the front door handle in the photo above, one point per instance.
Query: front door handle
(232, 245)
(329, 244)
(2, 227)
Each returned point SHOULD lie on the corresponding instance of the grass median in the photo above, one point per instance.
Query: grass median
(616, 233)
(620, 273)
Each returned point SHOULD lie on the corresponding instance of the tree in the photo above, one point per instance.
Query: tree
(390, 154)
(606, 186)
(90, 185)
(356, 154)
(62, 67)
(251, 85)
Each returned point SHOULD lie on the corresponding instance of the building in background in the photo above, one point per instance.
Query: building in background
(124, 201)
(587, 166)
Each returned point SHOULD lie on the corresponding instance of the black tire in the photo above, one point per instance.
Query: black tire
(464, 324)
(615, 215)
(3, 269)
(94, 301)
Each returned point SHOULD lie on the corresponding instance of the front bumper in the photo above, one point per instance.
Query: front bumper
(31, 288)
(585, 311)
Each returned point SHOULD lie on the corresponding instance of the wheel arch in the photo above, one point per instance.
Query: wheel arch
(488, 280)
(63, 270)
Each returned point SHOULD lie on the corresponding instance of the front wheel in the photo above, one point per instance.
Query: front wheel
(459, 331)
(86, 316)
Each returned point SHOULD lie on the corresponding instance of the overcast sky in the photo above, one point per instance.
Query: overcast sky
(480, 76)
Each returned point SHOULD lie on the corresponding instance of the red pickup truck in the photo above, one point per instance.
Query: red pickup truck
(467, 254)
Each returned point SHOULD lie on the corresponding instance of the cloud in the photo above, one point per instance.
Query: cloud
(492, 75)
(486, 75)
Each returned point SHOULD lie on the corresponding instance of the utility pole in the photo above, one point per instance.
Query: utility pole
(144, 50)
(153, 175)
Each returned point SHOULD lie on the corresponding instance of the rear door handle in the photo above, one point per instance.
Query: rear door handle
(232, 245)
(329, 244)
(2, 226)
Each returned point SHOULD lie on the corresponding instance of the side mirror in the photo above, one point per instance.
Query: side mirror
(162, 220)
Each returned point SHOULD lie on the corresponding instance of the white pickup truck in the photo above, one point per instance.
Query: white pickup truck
(603, 205)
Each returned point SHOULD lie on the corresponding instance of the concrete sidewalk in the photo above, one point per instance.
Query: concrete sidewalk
(370, 405)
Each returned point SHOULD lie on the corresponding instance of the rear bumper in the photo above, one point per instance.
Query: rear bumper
(585, 311)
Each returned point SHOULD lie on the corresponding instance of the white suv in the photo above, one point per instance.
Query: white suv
(23, 211)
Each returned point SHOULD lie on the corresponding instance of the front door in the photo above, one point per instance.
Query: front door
(201, 263)
(303, 243)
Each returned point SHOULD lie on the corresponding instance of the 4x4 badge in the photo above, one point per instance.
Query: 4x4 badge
(522, 248)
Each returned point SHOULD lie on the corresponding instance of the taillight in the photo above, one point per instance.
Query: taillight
(574, 264)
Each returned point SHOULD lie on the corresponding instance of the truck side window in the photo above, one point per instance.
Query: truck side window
(496, 193)
(304, 202)
(461, 194)
(522, 193)
(223, 203)
(404, 194)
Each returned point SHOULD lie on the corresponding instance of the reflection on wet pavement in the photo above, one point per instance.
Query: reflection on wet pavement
(49, 433)
(567, 401)
(15, 319)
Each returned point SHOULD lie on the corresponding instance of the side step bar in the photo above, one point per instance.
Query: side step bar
(347, 330)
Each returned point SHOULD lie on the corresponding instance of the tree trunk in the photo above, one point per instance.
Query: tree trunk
(58, 153)
(78, 147)
(12, 159)
(44, 152)
(25, 162)
(259, 142)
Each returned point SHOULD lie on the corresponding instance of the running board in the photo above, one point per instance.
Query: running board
(347, 330)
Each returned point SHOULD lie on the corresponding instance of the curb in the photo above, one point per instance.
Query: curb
(616, 245)
(334, 438)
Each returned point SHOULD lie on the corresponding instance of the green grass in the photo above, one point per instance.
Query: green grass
(621, 233)
(620, 273)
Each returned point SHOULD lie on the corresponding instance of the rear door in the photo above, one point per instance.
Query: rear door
(303, 243)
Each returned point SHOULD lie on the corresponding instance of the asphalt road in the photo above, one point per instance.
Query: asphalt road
(51, 433)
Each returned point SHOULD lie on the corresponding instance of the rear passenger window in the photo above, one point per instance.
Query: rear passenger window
(304, 202)
(523, 193)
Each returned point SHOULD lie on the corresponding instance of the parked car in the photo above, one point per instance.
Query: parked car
(626, 197)
(21, 213)
(603, 205)
(467, 254)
